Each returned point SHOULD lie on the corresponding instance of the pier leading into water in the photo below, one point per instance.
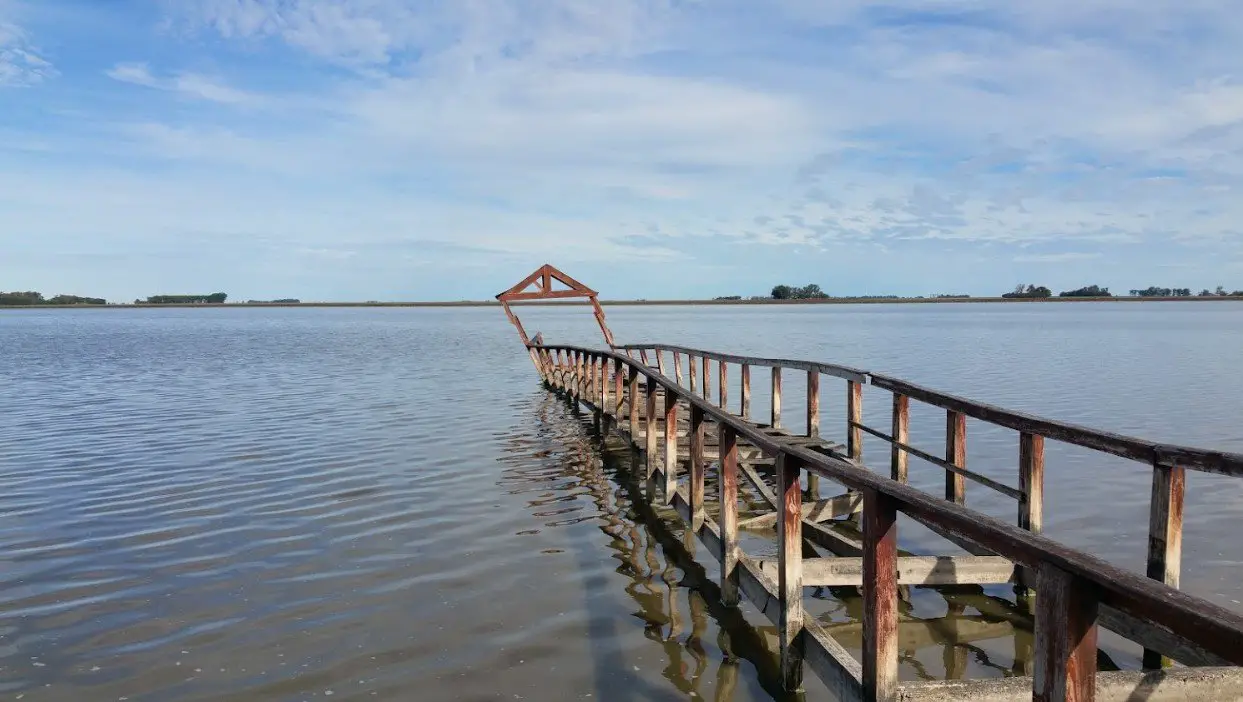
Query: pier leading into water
(712, 459)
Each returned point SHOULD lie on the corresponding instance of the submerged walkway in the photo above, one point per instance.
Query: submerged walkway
(739, 485)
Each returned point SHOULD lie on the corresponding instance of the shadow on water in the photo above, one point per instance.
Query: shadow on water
(979, 634)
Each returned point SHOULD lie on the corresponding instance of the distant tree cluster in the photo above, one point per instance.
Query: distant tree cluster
(1089, 291)
(729, 297)
(807, 292)
(1220, 292)
(282, 301)
(214, 298)
(949, 296)
(1154, 291)
(1022, 291)
(28, 298)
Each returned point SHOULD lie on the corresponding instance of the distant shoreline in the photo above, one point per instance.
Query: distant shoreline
(641, 303)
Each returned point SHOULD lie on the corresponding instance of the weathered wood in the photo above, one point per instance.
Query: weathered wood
(1175, 685)
(1065, 666)
(707, 378)
(660, 361)
(880, 597)
(911, 570)
(643, 356)
(901, 428)
(826, 368)
(776, 409)
(854, 419)
(728, 481)
(634, 404)
(723, 385)
(693, 370)
(1031, 494)
(790, 571)
(946, 465)
(956, 455)
(677, 367)
(618, 395)
(746, 391)
(697, 468)
(813, 403)
(818, 511)
(649, 428)
(1165, 535)
(671, 446)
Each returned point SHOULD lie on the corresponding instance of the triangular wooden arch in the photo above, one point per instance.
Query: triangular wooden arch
(542, 280)
(539, 286)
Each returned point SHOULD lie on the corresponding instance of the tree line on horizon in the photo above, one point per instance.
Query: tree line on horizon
(31, 298)
(1028, 291)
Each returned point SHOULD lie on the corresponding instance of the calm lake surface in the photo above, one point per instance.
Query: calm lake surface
(358, 504)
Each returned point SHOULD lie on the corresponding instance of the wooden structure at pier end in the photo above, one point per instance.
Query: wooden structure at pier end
(701, 452)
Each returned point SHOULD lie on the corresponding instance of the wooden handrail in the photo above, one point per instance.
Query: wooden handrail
(826, 368)
(1211, 627)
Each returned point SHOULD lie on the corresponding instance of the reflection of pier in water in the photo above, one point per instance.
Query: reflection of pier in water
(651, 545)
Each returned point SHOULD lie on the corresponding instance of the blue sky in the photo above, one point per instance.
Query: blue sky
(403, 149)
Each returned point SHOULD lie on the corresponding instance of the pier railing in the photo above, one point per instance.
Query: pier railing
(1074, 590)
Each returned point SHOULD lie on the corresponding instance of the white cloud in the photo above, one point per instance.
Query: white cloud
(1057, 257)
(20, 62)
(190, 84)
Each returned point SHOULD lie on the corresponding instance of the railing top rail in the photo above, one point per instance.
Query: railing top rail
(1214, 628)
(846, 372)
(1143, 450)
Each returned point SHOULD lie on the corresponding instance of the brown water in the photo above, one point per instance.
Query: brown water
(383, 504)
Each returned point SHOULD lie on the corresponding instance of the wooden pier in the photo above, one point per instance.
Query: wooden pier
(703, 459)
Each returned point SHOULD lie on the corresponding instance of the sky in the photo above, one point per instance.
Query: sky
(443, 149)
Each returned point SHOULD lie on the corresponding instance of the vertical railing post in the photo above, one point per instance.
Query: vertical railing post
(880, 597)
(634, 405)
(696, 436)
(660, 361)
(1165, 535)
(671, 446)
(602, 392)
(707, 379)
(901, 435)
(650, 429)
(723, 384)
(643, 356)
(677, 367)
(1066, 610)
(776, 411)
(790, 570)
(562, 365)
(955, 453)
(1031, 501)
(813, 403)
(728, 482)
(619, 396)
(746, 391)
(693, 370)
(854, 418)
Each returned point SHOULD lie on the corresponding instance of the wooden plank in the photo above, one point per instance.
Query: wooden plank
(1165, 535)
(832, 663)
(694, 372)
(901, 428)
(818, 511)
(880, 597)
(835, 370)
(854, 418)
(911, 570)
(1031, 493)
(776, 398)
(618, 393)
(813, 403)
(946, 465)
(1065, 649)
(723, 385)
(697, 468)
(790, 571)
(1176, 685)
(671, 446)
(660, 361)
(956, 455)
(728, 481)
(746, 392)
(634, 405)
(677, 367)
(707, 378)
(649, 429)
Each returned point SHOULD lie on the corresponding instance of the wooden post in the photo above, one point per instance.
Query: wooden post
(1031, 502)
(790, 571)
(671, 446)
(643, 356)
(854, 417)
(880, 597)
(660, 361)
(603, 378)
(1065, 666)
(746, 391)
(1165, 535)
(693, 369)
(697, 468)
(728, 440)
(901, 434)
(677, 367)
(776, 414)
(634, 405)
(650, 429)
(562, 366)
(723, 382)
(617, 389)
(813, 403)
(707, 388)
(956, 453)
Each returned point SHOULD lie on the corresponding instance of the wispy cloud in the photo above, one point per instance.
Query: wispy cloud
(190, 84)
(21, 64)
(1057, 257)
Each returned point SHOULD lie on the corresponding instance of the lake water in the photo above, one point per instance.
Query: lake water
(356, 504)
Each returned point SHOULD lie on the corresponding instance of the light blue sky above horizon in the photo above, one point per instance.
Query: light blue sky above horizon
(410, 149)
